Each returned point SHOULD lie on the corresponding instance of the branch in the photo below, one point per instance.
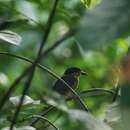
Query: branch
(46, 111)
(48, 28)
(58, 116)
(42, 118)
(83, 93)
(96, 91)
(116, 94)
(12, 87)
(80, 101)
(53, 74)
(32, 68)
(47, 70)
(58, 42)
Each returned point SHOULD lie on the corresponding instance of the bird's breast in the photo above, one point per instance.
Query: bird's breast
(61, 88)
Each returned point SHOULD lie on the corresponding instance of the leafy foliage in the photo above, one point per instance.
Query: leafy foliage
(75, 31)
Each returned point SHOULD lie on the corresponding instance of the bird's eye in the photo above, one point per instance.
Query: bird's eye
(77, 73)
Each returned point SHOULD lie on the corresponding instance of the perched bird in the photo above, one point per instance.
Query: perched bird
(71, 77)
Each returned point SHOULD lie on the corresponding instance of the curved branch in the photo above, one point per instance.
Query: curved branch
(57, 43)
(49, 109)
(96, 91)
(33, 66)
(51, 73)
(23, 58)
(12, 87)
(115, 96)
(42, 118)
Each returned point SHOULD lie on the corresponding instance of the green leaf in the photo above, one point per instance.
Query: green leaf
(21, 128)
(26, 128)
(88, 120)
(27, 100)
(112, 113)
(10, 37)
(104, 23)
(3, 79)
(87, 3)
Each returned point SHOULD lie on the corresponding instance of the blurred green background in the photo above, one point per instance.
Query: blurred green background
(100, 43)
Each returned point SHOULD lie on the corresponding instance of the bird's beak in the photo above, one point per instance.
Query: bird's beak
(83, 73)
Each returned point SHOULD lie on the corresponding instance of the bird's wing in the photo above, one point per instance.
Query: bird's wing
(61, 88)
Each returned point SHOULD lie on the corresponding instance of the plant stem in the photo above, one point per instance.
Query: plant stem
(13, 86)
(33, 67)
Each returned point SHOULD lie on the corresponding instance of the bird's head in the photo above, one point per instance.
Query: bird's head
(74, 71)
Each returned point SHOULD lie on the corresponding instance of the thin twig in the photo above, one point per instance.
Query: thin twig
(70, 89)
(43, 118)
(47, 29)
(116, 88)
(11, 88)
(42, 67)
(82, 94)
(57, 117)
(89, 92)
(56, 76)
(116, 94)
(45, 112)
(38, 58)
(25, 90)
(57, 43)
(96, 91)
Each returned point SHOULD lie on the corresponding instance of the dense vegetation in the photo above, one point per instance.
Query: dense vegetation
(39, 39)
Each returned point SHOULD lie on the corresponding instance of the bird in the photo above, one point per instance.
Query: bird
(71, 77)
